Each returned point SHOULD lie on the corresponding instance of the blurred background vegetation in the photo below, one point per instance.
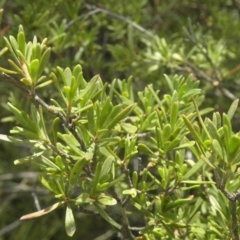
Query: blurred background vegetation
(116, 39)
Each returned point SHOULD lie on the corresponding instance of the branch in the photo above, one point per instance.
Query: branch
(125, 230)
(38, 101)
(115, 15)
(10, 227)
(234, 220)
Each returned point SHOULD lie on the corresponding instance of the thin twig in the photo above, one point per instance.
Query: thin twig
(234, 220)
(10, 227)
(82, 16)
(127, 234)
(115, 15)
(136, 228)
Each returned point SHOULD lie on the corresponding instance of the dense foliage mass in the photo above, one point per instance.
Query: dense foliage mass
(120, 117)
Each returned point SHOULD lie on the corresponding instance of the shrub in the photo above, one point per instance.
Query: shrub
(149, 164)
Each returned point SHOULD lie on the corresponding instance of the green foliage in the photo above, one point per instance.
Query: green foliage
(135, 152)
(105, 130)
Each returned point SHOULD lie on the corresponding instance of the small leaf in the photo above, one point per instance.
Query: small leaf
(69, 222)
(193, 132)
(217, 147)
(84, 198)
(106, 200)
(132, 192)
(55, 126)
(234, 144)
(193, 170)
(129, 128)
(76, 170)
(44, 61)
(49, 163)
(13, 43)
(166, 133)
(33, 69)
(120, 116)
(232, 109)
(185, 145)
(143, 148)
(107, 164)
(21, 42)
(7, 71)
(68, 76)
(49, 183)
(44, 84)
(174, 114)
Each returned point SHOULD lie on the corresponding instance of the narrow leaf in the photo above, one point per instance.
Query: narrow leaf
(69, 222)
(42, 212)
(232, 108)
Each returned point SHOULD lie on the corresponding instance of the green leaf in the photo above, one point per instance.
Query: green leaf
(83, 199)
(213, 130)
(55, 126)
(178, 203)
(120, 116)
(107, 217)
(36, 50)
(174, 114)
(169, 145)
(227, 128)
(91, 120)
(42, 212)
(49, 163)
(28, 158)
(193, 132)
(33, 69)
(129, 128)
(76, 170)
(68, 76)
(49, 183)
(107, 164)
(13, 43)
(44, 84)
(169, 82)
(234, 144)
(144, 149)
(71, 142)
(11, 50)
(60, 70)
(21, 42)
(91, 88)
(106, 200)
(69, 222)
(16, 67)
(232, 109)
(217, 147)
(197, 182)
(132, 192)
(134, 179)
(166, 133)
(97, 176)
(8, 71)
(44, 61)
(193, 170)
(185, 145)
